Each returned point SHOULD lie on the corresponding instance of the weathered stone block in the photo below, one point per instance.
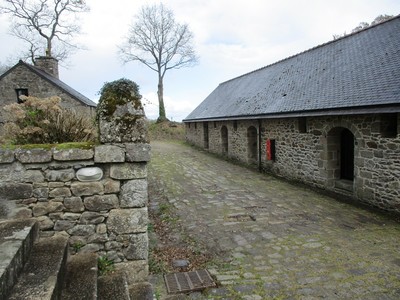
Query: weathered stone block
(137, 248)
(89, 217)
(101, 203)
(73, 154)
(128, 171)
(22, 213)
(44, 208)
(42, 192)
(45, 223)
(101, 228)
(56, 216)
(63, 225)
(122, 123)
(6, 156)
(60, 192)
(33, 155)
(136, 271)
(15, 191)
(134, 193)
(74, 204)
(127, 221)
(112, 245)
(111, 186)
(60, 175)
(109, 154)
(27, 201)
(82, 230)
(70, 216)
(86, 188)
(138, 152)
(98, 238)
(34, 176)
(54, 185)
(91, 248)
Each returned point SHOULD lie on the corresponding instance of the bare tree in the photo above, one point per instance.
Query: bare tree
(46, 25)
(363, 25)
(3, 68)
(159, 42)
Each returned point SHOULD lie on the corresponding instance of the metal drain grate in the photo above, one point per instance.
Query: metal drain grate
(185, 282)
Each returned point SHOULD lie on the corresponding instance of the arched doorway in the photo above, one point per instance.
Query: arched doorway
(340, 158)
(346, 155)
(252, 144)
(224, 140)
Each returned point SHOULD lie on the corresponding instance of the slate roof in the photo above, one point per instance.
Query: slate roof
(56, 82)
(357, 73)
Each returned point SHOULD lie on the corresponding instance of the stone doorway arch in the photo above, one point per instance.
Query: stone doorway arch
(252, 144)
(346, 155)
(340, 152)
(224, 140)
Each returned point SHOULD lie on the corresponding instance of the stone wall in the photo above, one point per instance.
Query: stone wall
(308, 151)
(108, 216)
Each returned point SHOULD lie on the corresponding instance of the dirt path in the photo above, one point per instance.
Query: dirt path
(273, 239)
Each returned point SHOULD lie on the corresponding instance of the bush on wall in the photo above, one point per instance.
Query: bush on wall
(44, 121)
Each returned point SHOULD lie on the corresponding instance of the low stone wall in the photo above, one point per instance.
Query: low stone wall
(108, 216)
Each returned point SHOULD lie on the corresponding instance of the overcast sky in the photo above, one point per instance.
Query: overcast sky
(232, 37)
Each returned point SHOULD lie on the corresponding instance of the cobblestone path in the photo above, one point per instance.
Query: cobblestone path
(278, 241)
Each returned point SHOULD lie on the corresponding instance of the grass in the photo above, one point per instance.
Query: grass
(63, 146)
(105, 265)
(166, 131)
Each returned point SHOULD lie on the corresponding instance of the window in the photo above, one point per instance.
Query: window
(21, 92)
(388, 126)
(302, 124)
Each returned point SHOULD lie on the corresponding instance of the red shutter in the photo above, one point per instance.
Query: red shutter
(270, 149)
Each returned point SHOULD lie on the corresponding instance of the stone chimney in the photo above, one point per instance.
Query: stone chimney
(47, 64)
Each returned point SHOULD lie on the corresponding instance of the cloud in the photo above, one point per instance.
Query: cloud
(231, 38)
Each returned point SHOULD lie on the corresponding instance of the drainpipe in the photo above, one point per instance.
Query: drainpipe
(259, 146)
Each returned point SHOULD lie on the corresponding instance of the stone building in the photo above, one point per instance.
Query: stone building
(328, 117)
(41, 80)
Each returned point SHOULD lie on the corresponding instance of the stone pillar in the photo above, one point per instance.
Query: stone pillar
(125, 148)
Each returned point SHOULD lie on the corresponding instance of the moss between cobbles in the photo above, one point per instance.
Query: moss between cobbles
(63, 146)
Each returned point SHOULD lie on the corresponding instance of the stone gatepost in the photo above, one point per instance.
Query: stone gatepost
(125, 150)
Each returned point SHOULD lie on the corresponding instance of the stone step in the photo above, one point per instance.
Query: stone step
(344, 185)
(142, 291)
(113, 286)
(81, 277)
(16, 241)
(42, 276)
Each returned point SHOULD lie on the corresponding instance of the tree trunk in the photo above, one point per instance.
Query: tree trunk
(161, 108)
(48, 50)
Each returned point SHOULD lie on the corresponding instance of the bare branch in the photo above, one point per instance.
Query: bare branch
(160, 43)
(54, 22)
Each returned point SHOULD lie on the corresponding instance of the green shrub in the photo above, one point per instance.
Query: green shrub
(44, 121)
